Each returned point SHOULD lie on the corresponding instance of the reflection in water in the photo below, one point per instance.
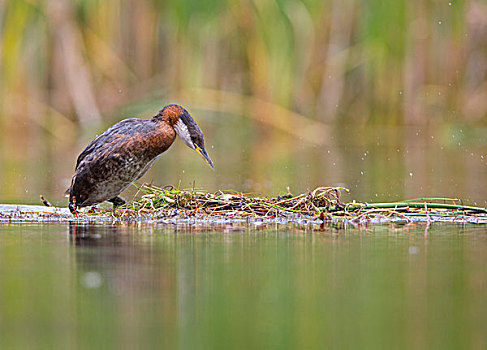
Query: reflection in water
(224, 286)
(132, 274)
(83, 234)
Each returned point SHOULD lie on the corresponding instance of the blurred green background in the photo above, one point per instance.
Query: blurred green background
(387, 98)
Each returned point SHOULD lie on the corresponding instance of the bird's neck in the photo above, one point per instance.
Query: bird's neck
(160, 138)
(168, 116)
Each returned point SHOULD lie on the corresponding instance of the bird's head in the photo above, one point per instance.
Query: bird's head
(187, 130)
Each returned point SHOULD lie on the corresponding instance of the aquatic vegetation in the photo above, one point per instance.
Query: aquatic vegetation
(322, 203)
(171, 204)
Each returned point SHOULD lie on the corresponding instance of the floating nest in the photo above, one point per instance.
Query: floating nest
(322, 203)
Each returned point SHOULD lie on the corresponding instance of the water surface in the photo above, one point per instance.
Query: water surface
(215, 287)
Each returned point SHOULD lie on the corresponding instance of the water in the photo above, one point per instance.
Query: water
(376, 163)
(122, 286)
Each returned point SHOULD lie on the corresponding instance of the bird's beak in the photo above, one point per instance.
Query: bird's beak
(204, 155)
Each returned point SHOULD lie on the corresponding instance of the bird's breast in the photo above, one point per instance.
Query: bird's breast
(140, 150)
(159, 140)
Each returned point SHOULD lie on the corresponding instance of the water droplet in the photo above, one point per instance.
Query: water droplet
(413, 250)
(411, 174)
(91, 280)
(400, 92)
(439, 22)
(449, 4)
(361, 173)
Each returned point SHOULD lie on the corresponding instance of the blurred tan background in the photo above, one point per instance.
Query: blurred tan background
(387, 98)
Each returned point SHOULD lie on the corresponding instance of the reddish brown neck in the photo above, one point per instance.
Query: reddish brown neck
(161, 138)
(170, 115)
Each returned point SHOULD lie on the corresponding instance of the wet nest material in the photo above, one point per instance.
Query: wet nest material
(322, 203)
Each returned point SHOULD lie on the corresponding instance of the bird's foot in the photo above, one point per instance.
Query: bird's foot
(117, 201)
(72, 207)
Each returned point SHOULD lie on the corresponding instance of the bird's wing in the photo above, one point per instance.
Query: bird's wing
(121, 128)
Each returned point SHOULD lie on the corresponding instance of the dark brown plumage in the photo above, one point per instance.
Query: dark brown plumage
(125, 151)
